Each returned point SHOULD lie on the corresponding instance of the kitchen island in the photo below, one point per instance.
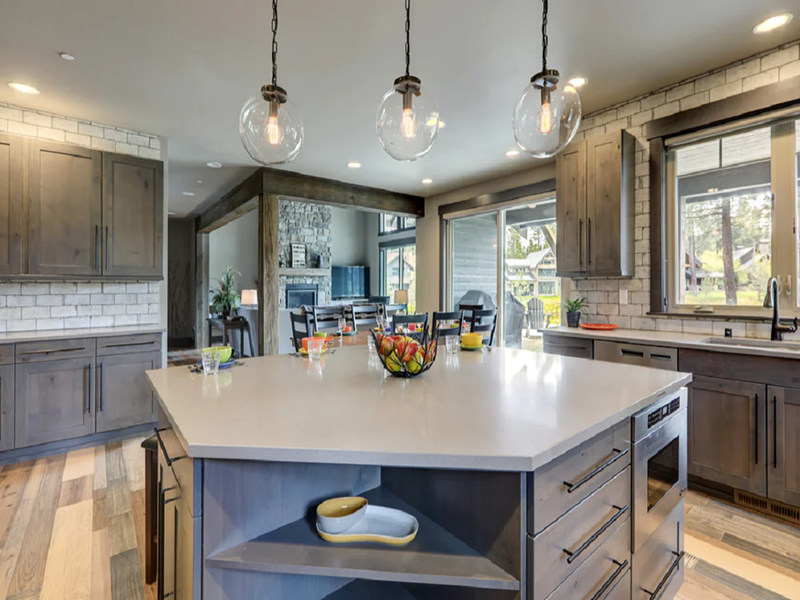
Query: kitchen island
(517, 466)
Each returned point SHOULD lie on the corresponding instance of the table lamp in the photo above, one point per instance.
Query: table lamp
(401, 297)
(250, 297)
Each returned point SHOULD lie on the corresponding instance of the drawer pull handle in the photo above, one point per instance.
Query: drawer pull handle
(53, 351)
(571, 487)
(572, 556)
(164, 449)
(636, 353)
(660, 356)
(656, 594)
(148, 343)
(620, 568)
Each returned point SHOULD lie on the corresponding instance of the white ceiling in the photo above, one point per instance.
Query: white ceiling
(183, 68)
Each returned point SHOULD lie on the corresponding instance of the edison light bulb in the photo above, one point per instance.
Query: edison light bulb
(407, 125)
(545, 120)
(273, 131)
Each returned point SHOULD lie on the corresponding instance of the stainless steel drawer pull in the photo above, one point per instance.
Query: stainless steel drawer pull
(656, 594)
(148, 343)
(164, 449)
(572, 555)
(53, 351)
(571, 487)
(620, 568)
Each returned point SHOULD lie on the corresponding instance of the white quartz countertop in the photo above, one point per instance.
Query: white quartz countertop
(61, 334)
(502, 409)
(676, 339)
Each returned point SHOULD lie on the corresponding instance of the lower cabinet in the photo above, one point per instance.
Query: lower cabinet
(7, 407)
(783, 445)
(124, 398)
(727, 441)
(54, 401)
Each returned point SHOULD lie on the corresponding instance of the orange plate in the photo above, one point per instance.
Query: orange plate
(599, 326)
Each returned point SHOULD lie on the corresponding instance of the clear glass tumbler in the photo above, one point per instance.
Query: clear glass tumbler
(211, 361)
(451, 342)
(315, 347)
(341, 324)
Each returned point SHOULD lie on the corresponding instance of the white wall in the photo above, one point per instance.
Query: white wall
(348, 237)
(235, 245)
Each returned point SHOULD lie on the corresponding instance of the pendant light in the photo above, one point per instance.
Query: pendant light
(547, 114)
(270, 127)
(408, 120)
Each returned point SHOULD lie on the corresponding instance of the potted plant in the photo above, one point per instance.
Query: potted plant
(225, 300)
(574, 311)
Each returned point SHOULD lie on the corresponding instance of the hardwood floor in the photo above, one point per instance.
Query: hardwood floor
(72, 528)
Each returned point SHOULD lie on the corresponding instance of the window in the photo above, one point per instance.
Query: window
(398, 271)
(393, 224)
(731, 219)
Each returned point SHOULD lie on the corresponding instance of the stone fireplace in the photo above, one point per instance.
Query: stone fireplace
(308, 224)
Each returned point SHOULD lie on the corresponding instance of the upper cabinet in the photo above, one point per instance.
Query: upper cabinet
(594, 208)
(133, 216)
(67, 211)
(11, 205)
(64, 210)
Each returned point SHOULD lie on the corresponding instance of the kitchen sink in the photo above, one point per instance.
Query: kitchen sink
(752, 343)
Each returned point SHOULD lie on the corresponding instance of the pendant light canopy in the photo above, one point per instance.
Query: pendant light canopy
(408, 120)
(548, 113)
(270, 127)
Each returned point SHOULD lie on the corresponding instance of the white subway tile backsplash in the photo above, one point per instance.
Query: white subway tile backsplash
(63, 311)
(101, 322)
(49, 300)
(114, 309)
(36, 312)
(90, 310)
(125, 320)
(20, 300)
(137, 288)
(102, 299)
(49, 324)
(34, 288)
(63, 288)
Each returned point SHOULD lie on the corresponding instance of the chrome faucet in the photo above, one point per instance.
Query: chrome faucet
(771, 301)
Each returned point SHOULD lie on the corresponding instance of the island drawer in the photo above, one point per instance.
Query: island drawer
(564, 546)
(602, 574)
(30, 352)
(125, 344)
(188, 472)
(567, 346)
(559, 485)
(7, 354)
(658, 566)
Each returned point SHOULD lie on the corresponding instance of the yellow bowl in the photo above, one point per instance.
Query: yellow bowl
(320, 334)
(339, 514)
(472, 340)
(225, 353)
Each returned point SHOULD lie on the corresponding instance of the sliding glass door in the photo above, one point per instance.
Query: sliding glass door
(507, 253)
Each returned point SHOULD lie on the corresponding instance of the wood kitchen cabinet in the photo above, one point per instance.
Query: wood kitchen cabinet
(727, 444)
(783, 445)
(133, 216)
(64, 209)
(124, 398)
(6, 407)
(54, 400)
(11, 205)
(594, 208)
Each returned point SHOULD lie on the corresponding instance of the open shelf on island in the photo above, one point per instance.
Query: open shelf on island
(370, 590)
(435, 557)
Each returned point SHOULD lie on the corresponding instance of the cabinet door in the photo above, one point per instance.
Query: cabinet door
(571, 209)
(64, 210)
(727, 433)
(603, 196)
(133, 216)
(6, 407)
(54, 401)
(11, 205)
(783, 445)
(124, 398)
(168, 498)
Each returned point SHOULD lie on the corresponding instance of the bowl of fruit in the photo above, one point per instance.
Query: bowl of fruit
(405, 356)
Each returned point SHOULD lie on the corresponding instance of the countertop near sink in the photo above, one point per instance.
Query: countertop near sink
(672, 339)
(63, 334)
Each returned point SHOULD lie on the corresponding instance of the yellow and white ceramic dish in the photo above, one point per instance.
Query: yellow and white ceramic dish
(380, 524)
(465, 347)
(304, 352)
(337, 514)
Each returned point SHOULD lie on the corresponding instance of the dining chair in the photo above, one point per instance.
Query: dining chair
(420, 322)
(326, 318)
(477, 322)
(390, 310)
(468, 309)
(453, 322)
(363, 315)
(302, 327)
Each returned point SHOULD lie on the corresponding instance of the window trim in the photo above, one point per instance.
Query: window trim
(402, 226)
(784, 258)
(383, 247)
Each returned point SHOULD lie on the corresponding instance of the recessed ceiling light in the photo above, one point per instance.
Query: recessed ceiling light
(66, 56)
(214, 164)
(512, 153)
(200, 181)
(354, 165)
(23, 87)
(188, 193)
(713, 190)
(427, 181)
(578, 81)
(772, 23)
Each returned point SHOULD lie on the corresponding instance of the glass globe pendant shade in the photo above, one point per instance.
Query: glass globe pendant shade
(546, 116)
(408, 120)
(270, 127)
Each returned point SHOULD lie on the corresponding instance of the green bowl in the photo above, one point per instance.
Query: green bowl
(225, 353)
(320, 334)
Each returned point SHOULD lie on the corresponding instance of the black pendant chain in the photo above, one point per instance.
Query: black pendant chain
(408, 35)
(275, 42)
(544, 35)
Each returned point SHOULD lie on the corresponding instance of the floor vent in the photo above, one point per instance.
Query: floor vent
(770, 507)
